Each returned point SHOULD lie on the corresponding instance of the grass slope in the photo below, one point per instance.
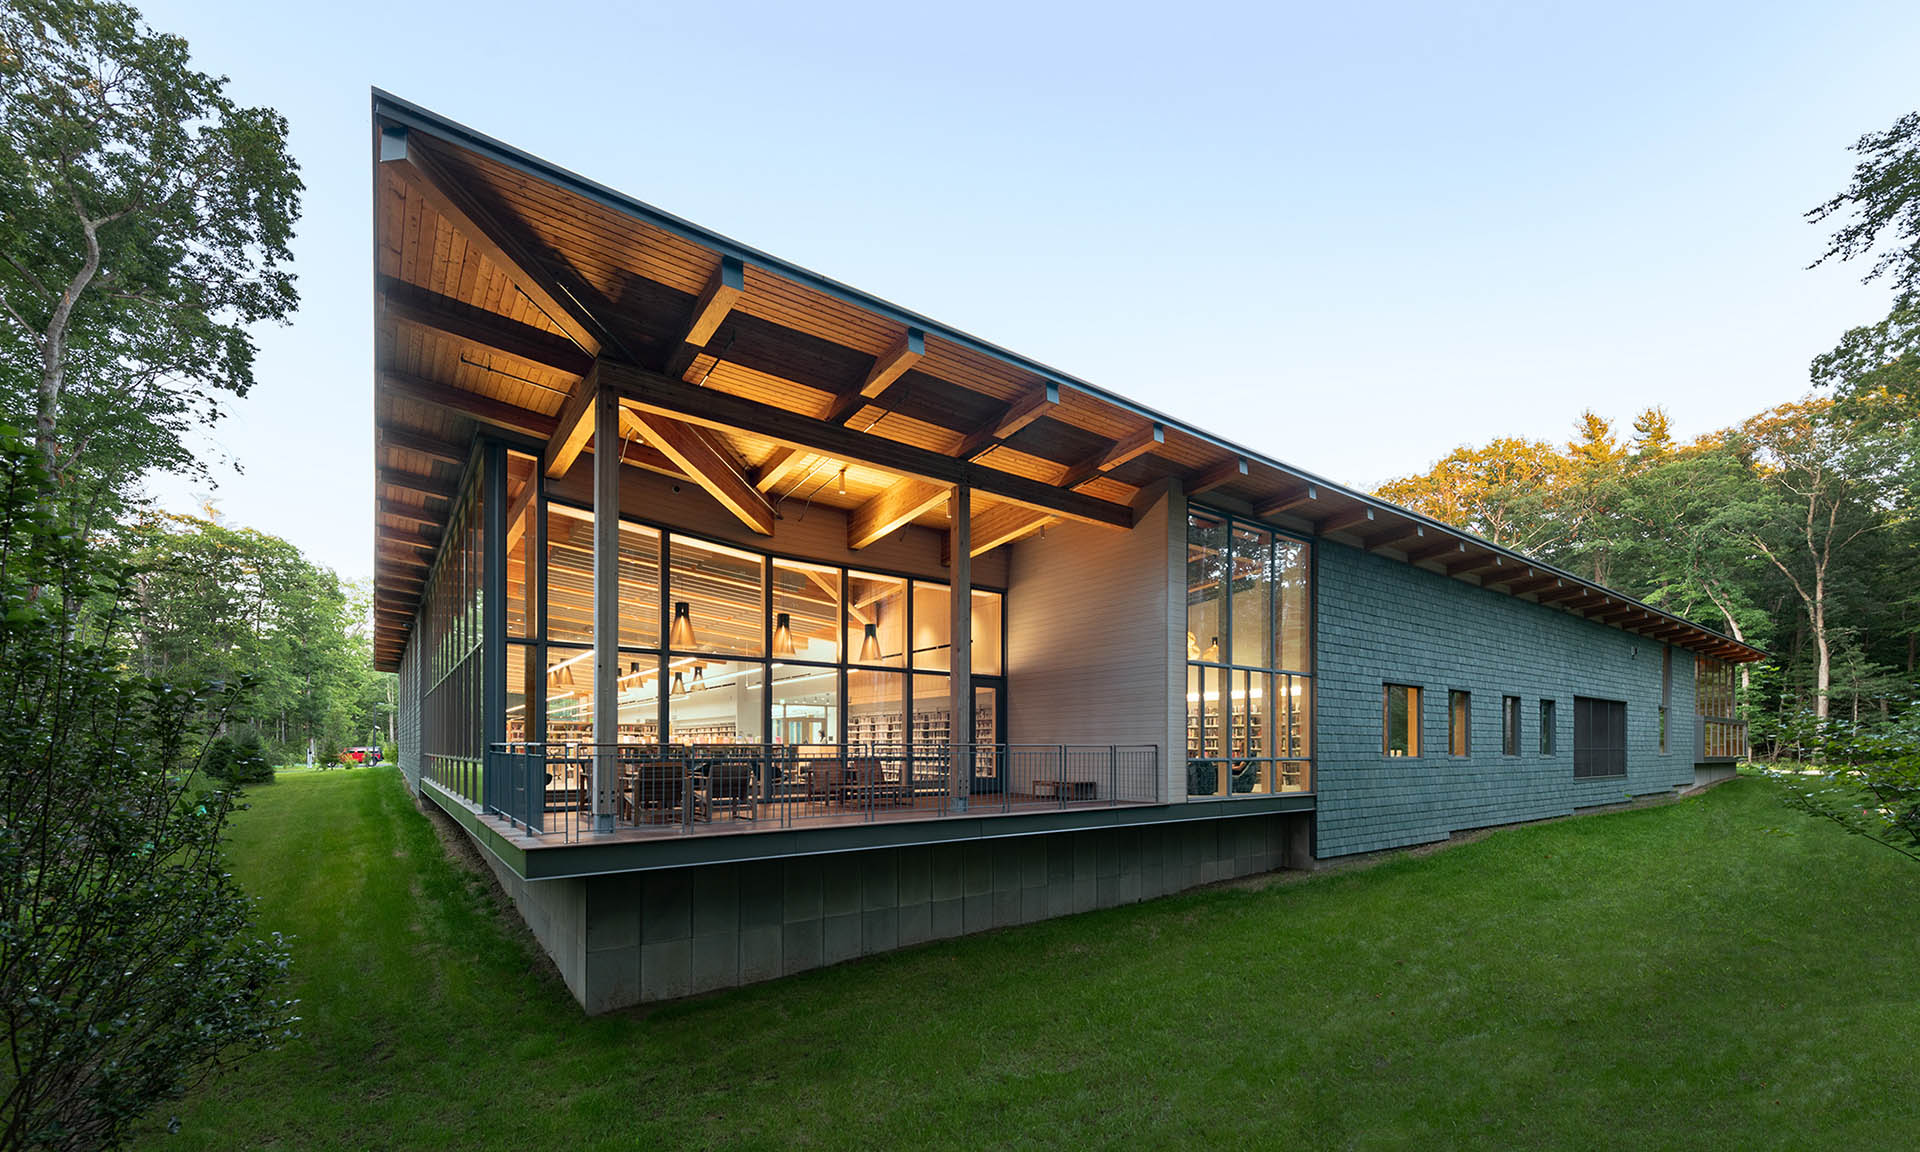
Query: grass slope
(1716, 973)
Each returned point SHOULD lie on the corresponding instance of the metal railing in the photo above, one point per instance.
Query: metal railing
(577, 790)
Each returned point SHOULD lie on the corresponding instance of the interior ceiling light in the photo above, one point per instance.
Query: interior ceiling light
(699, 677)
(783, 634)
(843, 481)
(679, 686)
(682, 635)
(870, 647)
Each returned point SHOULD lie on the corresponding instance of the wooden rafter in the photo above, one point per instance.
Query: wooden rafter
(430, 447)
(714, 409)
(1435, 550)
(458, 208)
(1342, 521)
(1022, 412)
(1118, 452)
(1398, 533)
(401, 511)
(784, 462)
(902, 501)
(723, 290)
(478, 328)
(1301, 498)
(428, 544)
(485, 409)
(889, 366)
(573, 427)
(414, 482)
(707, 463)
(1003, 524)
(1479, 563)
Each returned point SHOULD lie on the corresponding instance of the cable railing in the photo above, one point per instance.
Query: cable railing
(576, 790)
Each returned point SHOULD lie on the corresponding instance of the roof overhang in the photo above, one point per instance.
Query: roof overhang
(509, 292)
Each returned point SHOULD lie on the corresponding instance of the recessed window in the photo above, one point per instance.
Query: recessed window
(1460, 723)
(1546, 727)
(1510, 725)
(1401, 721)
(1599, 737)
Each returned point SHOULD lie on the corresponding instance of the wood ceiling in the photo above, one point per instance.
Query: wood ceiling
(511, 295)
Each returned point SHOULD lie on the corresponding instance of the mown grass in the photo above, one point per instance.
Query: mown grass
(1714, 973)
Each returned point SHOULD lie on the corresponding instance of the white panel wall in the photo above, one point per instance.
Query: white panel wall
(1095, 646)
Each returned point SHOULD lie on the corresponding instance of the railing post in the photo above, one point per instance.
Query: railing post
(1113, 773)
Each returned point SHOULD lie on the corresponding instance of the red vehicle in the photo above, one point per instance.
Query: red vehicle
(363, 755)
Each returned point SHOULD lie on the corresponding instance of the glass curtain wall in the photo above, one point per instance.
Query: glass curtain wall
(722, 645)
(1249, 659)
(452, 710)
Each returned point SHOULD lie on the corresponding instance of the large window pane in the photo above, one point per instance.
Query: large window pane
(1292, 627)
(569, 574)
(638, 695)
(1459, 723)
(876, 619)
(932, 626)
(523, 690)
(988, 612)
(1252, 595)
(715, 701)
(718, 597)
(876, 707)
(570, 579)
(1206, 575)
(1293, 716)
(933, 710)
(523, 572)
(806, 705)
(569, 695)
(806, 611)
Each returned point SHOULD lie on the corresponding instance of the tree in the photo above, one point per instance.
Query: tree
(128, 964)
(146, 226)
(1493, 491)
(1828, 480)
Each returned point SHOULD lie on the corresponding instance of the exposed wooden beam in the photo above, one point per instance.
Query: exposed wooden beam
(412, 482)
(1394, 535)
(410, 539)
(485, 409)
(1118, 452)
(1342, 521)
(430, 447)
(1507, 577)
(888, 367)
(784, 462)
(707, 463)
(1562, 592)
(1308, 494)
(903, 500)
(405, 557)
(481, 329)
(1018, 415)
(1435, 550)
(716, 300)
(1532, 583)
(573, 427)
(401, 511)
(1478, 563)
(426, 178)
(1003, 524)
(714, 409)
(1225, 472)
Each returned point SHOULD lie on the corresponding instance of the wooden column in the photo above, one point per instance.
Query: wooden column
(606, 609)
(960, 661)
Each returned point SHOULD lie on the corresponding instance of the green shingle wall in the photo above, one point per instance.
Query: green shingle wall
(1383, 621)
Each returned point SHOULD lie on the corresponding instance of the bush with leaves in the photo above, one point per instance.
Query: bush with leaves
(129, 964)
(238, 760)
(1868, 781)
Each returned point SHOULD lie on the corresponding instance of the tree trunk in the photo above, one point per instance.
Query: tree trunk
(53, 347)
(1823, 674)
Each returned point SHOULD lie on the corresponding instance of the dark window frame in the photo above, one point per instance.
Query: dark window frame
(1549, 722)
(1599, 738)
(1510, 725)
(1459, 723)
(1413, 731)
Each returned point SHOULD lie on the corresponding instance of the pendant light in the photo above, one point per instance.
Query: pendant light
(699, 677)
(679, 688)
(1213, 651)
(870, 647)
(843, 481)
(783, 634)
(682, 634)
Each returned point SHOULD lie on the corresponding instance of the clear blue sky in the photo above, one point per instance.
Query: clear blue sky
(1352, 236)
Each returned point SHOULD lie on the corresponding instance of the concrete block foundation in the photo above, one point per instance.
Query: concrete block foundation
(636, 937)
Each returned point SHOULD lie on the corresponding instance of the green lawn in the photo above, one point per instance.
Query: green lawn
(1715, 973)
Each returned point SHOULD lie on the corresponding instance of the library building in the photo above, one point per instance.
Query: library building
(749, 623)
